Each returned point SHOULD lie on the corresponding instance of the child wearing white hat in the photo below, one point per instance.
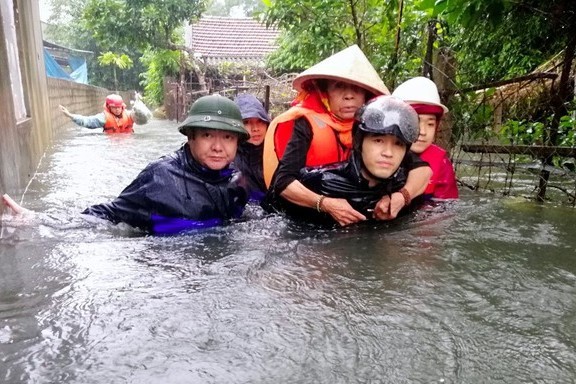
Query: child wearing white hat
(422, 94)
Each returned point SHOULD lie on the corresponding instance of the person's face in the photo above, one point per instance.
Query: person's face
(213, 148)
(117, 111)
(382, 155)
(345, 98)
(257, 130)
(427, 125)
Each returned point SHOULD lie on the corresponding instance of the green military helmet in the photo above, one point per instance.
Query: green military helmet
(214, 112)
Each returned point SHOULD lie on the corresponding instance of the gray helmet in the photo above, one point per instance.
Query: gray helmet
(214, 112)
(386, 115)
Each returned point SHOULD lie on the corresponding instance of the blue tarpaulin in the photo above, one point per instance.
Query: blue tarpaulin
(80, 74)
(78, 64)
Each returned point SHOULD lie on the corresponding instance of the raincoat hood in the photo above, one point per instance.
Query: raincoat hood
(250, 107)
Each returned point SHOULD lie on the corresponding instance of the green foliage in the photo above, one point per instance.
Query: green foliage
(159, 64)
(496, 39)
(119, 60)
(227, 7)
(313, 30)
(298, 53)
(127, 78)
(316, 29)
(138, 24)
(522, 132)
(567, 129)
(64, 29)
(535, 132)
(148, 26)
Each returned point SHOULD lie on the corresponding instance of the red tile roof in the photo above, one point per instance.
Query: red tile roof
(231, 39)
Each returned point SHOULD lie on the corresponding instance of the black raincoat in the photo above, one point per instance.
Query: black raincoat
(249, 161)
(342, 180)
(175, 194)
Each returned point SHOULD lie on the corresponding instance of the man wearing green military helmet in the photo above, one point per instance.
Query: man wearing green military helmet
(194, 187)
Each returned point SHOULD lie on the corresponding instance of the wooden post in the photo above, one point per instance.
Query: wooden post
(427, 68)
(267, 98)
(444, 75)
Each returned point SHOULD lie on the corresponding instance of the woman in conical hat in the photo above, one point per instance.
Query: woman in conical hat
(317, 130)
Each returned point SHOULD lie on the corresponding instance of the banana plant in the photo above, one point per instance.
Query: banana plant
(116, 60)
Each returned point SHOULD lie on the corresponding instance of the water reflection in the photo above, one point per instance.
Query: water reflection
(481, 290)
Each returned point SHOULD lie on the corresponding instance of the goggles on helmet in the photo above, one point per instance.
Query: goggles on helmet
(387, 115)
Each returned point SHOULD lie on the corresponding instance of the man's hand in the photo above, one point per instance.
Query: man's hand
(16, 208)
(341, 211)
(65, 111)
(389, 206)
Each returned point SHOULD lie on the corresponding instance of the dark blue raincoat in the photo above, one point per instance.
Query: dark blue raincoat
(249, 161)
(249, 156)
(175, 194)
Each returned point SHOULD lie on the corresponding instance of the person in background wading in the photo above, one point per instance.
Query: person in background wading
(422, 94)
(384, 129)
(192, 188)
(249, 156)
(317, 130)
(115, 118)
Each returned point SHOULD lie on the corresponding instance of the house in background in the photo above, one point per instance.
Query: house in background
(232, 54)
(220, 40)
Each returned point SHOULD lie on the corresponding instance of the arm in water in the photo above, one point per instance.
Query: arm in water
(16, 208)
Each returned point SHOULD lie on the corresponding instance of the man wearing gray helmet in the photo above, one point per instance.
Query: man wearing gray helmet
(383, 131)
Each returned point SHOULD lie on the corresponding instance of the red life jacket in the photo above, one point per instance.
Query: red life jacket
(442, 184)
(325, 147)
(115, 124)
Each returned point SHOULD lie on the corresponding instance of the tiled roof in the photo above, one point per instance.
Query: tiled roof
(221, 39)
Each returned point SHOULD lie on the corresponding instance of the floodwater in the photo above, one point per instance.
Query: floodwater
(479, 291)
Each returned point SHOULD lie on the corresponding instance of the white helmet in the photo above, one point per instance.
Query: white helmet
(419, 90)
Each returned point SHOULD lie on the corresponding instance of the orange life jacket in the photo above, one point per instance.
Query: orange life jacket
(325, 147)
(115, 124)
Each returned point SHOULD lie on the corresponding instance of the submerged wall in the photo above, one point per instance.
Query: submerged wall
(24, 86)
(34, 135)
(23, 95)
(79, 98)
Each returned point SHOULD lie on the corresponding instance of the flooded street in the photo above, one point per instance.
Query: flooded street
(482, 290)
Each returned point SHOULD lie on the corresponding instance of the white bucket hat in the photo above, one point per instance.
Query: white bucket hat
(349, 65)
(419, 90)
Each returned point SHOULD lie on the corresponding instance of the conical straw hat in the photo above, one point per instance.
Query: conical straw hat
(349, 65)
